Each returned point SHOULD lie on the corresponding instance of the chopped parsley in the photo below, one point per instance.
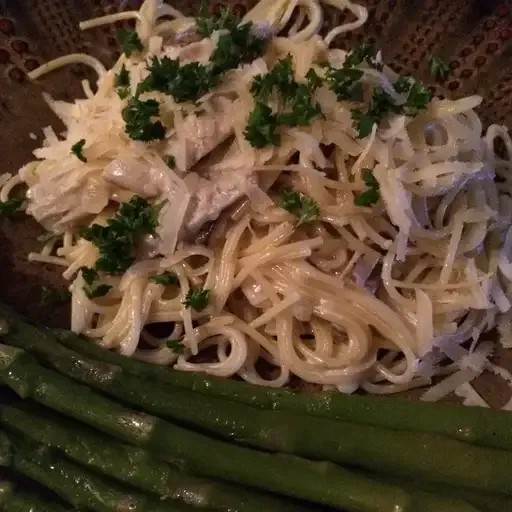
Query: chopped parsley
(298, 204)
(261, 126)
(98, 291)
(239, 46)
(362, 53)
(77, 149)
(138, 118)
(183, 83)
(50, 296)
(372, 194)
(207, 24)
(197, 299)
(11, 206)
(438, 67)
(418, 99)
(122, 83)
(297, 106)
(176, 346)
(170, 161)
(130, 42)
(345, 83)
(116, 241)
(89, 274)
(165, 278)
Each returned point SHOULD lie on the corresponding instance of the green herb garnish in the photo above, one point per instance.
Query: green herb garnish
(116, 241)
(165, 278)
(77, 149)
(11, 206)
(362, 53)
(170, 160)
(298, 204)
(301, 110)
(279, 78)
(52, 297)
(130, 42)
(89, 274)
(122, 83)
(372, 194)
(207, 24)
(138, 118)
(239, 46)
(197, 299)
(362, 123)
(418, 99)
(98, 291)
(438, 67)
(345, 83)
(261, 126)
(176, 346)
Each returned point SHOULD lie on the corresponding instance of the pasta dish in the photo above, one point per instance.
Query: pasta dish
(277, 202)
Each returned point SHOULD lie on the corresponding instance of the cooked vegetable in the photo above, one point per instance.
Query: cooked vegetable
(403, 454)
(298, 204)
(138, 118)
(319, 482)
(78, 150)
(472, 425)
(116, 241)
(130, 42)
(197, 299)
(77, 485)
(16, 499)
(132, 466)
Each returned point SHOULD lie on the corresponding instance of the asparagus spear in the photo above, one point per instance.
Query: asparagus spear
(469, 424)
(76, 485)
(132, 465)
(318, 482)
(428, 457)
(13, 499)
(489, 428)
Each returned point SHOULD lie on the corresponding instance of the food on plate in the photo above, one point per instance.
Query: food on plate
(65, 424)
(274, 199)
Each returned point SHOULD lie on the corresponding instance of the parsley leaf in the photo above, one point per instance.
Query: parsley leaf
(176, 346)
(183, 83)
(52, 297)
(116, 241)
(418, 99)
(438, 67)
(207, 24)
(89, 274)
(261, 127)
(298, 204)
(345, 83)
(165, 278)
(122, 83)
(197, 299)
(280, 77)
(303, 110)
(130, 42)
(170, 160)
(239, 46)
(99, 291)
(10, 207)
(137, 115)
(363, 123)
(372, 194)
(77, 149)
(362, 53)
